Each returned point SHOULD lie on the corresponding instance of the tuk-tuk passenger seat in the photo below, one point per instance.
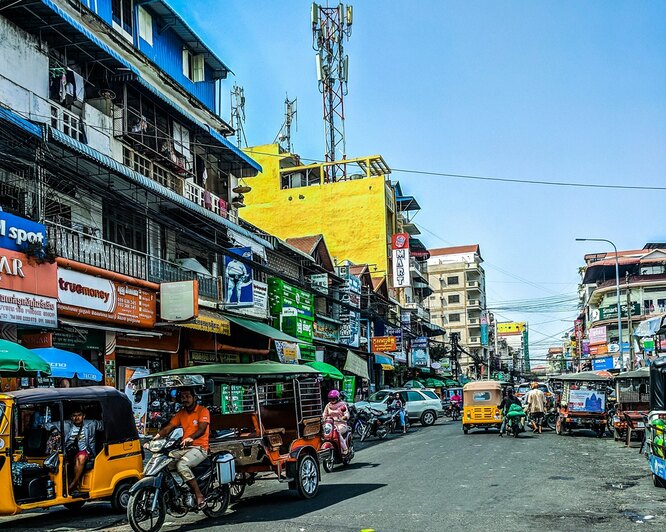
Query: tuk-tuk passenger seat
(245, 424)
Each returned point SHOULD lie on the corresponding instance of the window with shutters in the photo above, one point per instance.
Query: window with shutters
(145, 25)
(193, 66)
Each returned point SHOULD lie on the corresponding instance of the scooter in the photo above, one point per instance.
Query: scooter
(163, 491)
(380, 424)
(331, 444)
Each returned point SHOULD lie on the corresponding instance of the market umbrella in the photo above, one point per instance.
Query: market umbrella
(451, 382)
(434, 383)
(414, 384)
(18, 361)
(327, 370)
(65, 364)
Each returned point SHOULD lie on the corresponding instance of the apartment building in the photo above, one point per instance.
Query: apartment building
(457, 279)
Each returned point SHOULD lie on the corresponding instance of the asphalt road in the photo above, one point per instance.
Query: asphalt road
(436, 479)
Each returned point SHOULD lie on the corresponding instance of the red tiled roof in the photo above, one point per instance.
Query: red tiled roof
(306, 244)
(472, 248)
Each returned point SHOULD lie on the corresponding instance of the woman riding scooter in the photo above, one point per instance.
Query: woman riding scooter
(337, 411)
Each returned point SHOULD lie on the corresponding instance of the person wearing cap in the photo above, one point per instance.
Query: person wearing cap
(337, 410)
(536, 406)
(194, 420)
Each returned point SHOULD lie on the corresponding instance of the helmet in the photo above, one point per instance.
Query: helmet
(333, 395)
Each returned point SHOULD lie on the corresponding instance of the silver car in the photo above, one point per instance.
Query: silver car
(421, 404)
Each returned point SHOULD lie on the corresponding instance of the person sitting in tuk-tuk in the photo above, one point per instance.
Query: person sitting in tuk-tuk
(508, 400)
(79, 442)
(337, 410)
(194, 420)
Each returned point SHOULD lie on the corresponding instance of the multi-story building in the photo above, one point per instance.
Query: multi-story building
(458, 301)
(642, 275)
(358, 213)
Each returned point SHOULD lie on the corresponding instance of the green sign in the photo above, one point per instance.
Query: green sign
(609, 313)
(282, 295)
(298, 327)
(308, 352)
(648, 344)
(231, 400)
(349, 387)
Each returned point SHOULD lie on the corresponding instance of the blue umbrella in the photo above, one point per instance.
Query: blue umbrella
(65, 364)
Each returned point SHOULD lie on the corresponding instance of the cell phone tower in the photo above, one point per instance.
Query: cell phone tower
(330, 27)
(290, 114)
(238, 114)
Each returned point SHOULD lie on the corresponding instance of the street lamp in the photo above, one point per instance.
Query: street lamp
(617, 289)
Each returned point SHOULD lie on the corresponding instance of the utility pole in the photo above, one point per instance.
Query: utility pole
(330, 26)
(630, 326)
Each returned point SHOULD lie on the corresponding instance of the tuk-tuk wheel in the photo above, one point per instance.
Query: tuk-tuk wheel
(120, 497)
(658, 482)
(307, 476)
(465, 430)
(74, 506)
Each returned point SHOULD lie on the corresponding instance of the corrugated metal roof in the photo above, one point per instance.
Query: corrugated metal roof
(151, 185)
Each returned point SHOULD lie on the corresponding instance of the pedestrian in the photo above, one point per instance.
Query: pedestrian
(536, 406)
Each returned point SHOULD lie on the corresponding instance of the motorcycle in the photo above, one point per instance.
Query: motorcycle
(381, 424)
(163, 491)
(331, 443)
(358, 419)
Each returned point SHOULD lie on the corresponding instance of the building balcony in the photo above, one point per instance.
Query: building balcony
(421, 312)
(88, 248)
(335, 171)
(473, 321)
(473, 303)
(474, 341)
(473, 286)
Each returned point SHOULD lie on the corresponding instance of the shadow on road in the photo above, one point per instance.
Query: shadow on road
(284, 505)
(90, 516)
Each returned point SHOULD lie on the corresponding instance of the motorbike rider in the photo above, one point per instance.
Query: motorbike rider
(337, 410)
(508, 400)
(194, 420)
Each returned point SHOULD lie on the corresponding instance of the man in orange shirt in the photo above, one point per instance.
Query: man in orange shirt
(194, 420)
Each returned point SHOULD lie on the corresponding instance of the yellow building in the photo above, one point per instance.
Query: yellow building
(357, 214)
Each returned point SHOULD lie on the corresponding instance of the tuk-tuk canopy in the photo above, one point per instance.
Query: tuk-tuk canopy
(586, 376)
(658, 384)
(230, 372)
(117, 414)
(482, 393)
(642, 373)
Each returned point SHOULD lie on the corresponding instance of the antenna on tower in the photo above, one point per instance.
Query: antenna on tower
(238, 114)
(290, 114)
(330, 26)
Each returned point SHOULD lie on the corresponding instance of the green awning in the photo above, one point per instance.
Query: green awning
(262, 329)
(327, 370)
(18, 361)
(434, 383)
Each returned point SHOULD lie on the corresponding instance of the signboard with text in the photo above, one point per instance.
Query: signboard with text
(420, 352)
(400, 255)
(18, 233)
(383, 344)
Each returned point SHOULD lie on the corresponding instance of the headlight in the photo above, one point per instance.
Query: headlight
(156, 445)
(328, 428)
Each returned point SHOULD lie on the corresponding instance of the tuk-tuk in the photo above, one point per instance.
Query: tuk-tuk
(481, 400)
(632, 393)
(34, 464)
(655, 431)
(583, 403)
(266, 414)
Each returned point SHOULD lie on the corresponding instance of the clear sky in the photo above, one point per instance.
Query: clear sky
(539, 90)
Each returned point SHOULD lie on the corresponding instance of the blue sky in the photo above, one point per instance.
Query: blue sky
(560, 91)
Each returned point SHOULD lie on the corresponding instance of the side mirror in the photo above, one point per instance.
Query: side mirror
(208, 388)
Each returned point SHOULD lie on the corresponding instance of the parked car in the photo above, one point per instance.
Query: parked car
(422, 405)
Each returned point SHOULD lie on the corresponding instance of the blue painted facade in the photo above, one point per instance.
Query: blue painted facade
(166, 52)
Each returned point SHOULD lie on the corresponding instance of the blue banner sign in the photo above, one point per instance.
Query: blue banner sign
(19, 234)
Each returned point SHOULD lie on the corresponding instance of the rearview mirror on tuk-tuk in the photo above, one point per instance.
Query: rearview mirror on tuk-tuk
(208, 388)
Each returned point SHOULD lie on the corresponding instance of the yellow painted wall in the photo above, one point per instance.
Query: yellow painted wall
(350, 214)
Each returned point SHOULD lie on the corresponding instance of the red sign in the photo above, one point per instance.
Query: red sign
(383, 344)
(400, 241)
(21, 273)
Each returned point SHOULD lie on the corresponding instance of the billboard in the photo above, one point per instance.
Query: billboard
(420, 352)
(238, 278)
(511, 328)
(350, 294)
(597, 335)
(383, 344)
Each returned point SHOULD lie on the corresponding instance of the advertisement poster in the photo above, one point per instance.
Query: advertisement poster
(420, 352)
(587, 401)
(383, 344)
(597, 335)
(399, 355)
(140, 409)
(484, 328)
(238, 279)
(350, 329)
(19, 234)
(288, 353)
(349, 387)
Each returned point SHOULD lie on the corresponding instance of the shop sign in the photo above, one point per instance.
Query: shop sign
(597, 335)
(510, 328)
(288, 353)
(238, 278)
(84, 296)
(648, 344)
(484, 328)
(169, 342)
(326, 331)
(602, 363)
(406, 320)
(610, 312)
(36, 340)
(599, 349)
(212, 357)
(356, 365)
(400, 252)
(420, 352)
(319, 282)
(298, 327)
(17, 233)
(80, 340)
(383, 344)
(282, 295)
(27, 309)
(259, 309)
(179, 301)
(209, 322)
(350, 294)
(349, 387)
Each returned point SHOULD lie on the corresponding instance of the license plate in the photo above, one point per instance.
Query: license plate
(640, 425)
